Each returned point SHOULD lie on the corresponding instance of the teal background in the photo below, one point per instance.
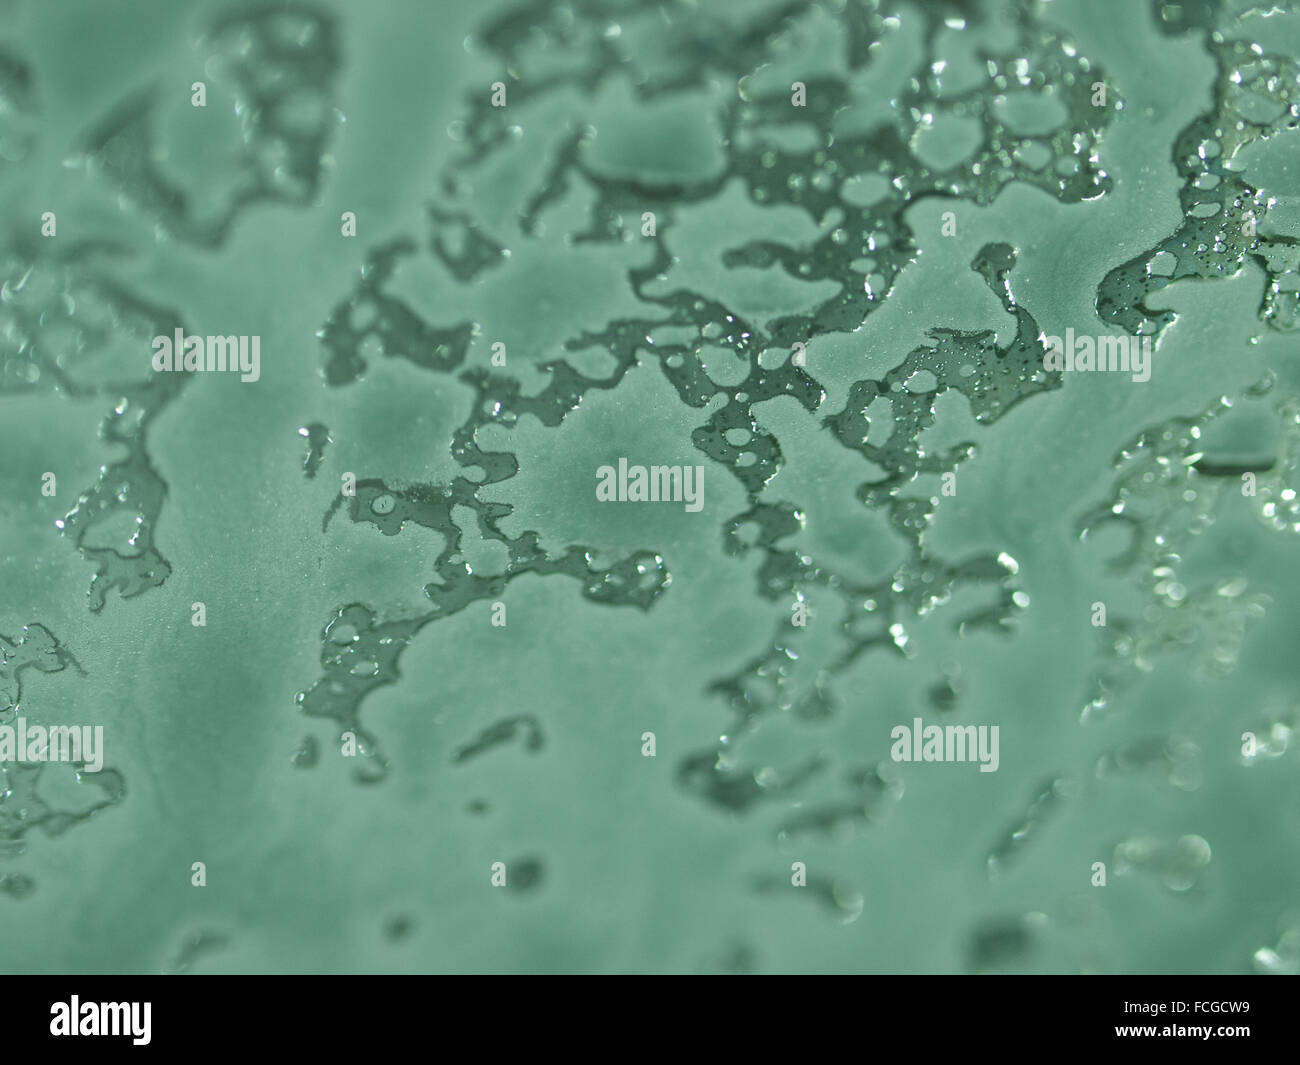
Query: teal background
(621, 863)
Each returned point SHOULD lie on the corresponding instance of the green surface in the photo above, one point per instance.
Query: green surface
(950, 191)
